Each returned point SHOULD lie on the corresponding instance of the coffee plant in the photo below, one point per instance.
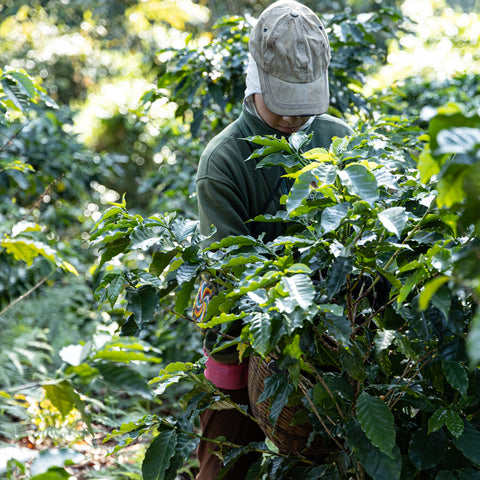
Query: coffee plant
(366, 307)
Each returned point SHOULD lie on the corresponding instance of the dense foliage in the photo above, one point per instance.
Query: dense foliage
(365, 306)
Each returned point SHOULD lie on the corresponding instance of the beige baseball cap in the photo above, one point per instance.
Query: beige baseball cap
(292, 52)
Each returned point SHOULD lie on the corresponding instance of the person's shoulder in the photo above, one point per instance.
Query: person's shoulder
(229, 134)
(333, 122)
(222, 150)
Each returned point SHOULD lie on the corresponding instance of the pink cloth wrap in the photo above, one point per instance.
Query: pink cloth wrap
(230, 376)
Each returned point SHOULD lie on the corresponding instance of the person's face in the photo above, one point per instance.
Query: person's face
(283, 124)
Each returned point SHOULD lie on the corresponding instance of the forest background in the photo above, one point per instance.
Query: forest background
(95, 111)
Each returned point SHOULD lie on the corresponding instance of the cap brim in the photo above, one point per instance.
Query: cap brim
(294, 99)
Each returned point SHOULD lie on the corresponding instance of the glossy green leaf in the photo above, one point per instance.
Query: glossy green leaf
(128, 349)
(265, 331)
(298, 140)
(411, 283)
(114, 288)
(337, 275)
(324, 173)
(142, 302)
(277, 389)
(158, 455)
(456, 376)
(394, 219)
(300, 191)
(183, 298)
(24, 82)
(270, 141)
(384, 339)
(469, 443)
(332, 217)
(437, 420)
(222, 318)
(183, 229)
(450, 187)
(276, 159)
(186, 272)
(376, 463)
(454, 423)
(184, 447)
(430, 289)
(125, 378)
(123, 356)
(147, 277)
(360, 182)
(160, 261)
(237, 241)
(144, 238)
(376, 420)
(114, 248)
(300, 289)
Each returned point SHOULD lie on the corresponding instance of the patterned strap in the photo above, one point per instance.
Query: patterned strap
(206, 292)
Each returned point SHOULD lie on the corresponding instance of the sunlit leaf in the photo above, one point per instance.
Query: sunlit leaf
(265, 331)
(394, 219)
(430, 289)
(360, 181)
(332, 217)
(450, 188)
(300, 289)
(457, 140)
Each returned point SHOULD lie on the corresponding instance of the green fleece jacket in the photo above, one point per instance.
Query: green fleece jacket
(231, 190)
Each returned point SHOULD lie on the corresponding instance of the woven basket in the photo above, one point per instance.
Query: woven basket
(287, 437)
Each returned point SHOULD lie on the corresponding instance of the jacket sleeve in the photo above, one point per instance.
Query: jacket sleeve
(221, 205)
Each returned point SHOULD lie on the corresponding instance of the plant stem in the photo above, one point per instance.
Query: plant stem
(324, 385)
(392, 402)
(9, 141)
(42, 196)
(27, 293)
(330, 434)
